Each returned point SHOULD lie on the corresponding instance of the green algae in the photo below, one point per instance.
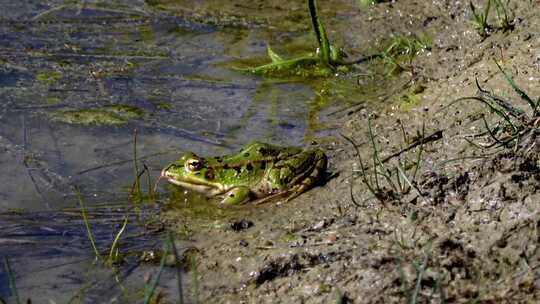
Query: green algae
(187, 211)
(287, 16)
(48, 77)
(303, 67)
(107, 115)
(411, 97)
(326, 61)
(124, 111)
(147, 33)
(89, 117)
(402, 49)
(53, 100)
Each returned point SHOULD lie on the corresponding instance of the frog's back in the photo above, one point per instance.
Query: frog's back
(257, 151)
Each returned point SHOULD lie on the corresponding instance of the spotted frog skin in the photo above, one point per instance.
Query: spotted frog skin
(258, 172)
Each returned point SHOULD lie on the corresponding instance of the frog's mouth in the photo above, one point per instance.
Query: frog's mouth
(207, 189)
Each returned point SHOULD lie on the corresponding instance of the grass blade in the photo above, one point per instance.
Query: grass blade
(492, 107)
(11, 280)
(320, 32)
(406, 179)
(150, 292)
(376, 161)
(514, 112)
(520, 92)
(195, 271)
(481, 19)
(362, 171)
(178, 272)
(275, 57)
(113, 253)
(502, 15)
(420, 273)
(420, 151)
(490, 131)
(136, 189)
(87, 225)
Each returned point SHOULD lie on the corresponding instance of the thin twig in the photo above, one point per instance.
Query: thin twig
(49, 11)
(421, 141)
(121, 162)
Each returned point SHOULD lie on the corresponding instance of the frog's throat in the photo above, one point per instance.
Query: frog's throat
(204, 189)
(207, 189)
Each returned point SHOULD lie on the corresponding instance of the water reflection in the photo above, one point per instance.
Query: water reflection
(168, 68)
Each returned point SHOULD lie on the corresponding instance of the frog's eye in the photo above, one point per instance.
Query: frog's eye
(194, 164)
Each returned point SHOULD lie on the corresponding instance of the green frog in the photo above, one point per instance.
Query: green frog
(258, 172)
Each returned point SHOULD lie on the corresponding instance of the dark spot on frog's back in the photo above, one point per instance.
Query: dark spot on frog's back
(263, 151)
(209, 174)
(249, 167)
(218, 159)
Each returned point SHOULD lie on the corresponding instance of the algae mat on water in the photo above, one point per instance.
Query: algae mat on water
(107, 115)
(276, 14)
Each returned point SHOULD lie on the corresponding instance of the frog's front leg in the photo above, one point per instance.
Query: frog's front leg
(236, 195)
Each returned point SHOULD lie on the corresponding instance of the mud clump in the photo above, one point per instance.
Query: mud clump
(278, 267)
(242, 224)
(283, 266)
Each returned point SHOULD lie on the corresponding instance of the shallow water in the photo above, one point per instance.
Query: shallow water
(172, 69)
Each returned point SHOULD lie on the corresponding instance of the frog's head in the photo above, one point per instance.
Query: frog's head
(192, 173)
